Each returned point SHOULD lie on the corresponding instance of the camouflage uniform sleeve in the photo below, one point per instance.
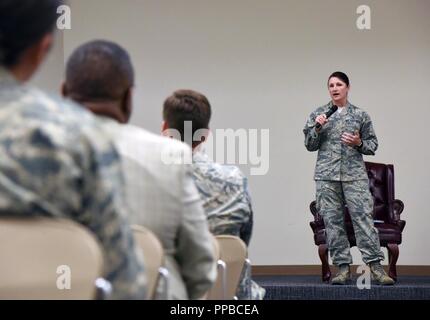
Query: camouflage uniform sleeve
(368, 137)
(312, 138)
(194, 251)
(104, 207)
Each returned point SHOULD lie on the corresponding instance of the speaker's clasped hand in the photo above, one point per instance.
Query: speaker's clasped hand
(351, 139)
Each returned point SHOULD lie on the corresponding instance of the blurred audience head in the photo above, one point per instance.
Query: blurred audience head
(26, 28)
(99, 75)
(183, 106)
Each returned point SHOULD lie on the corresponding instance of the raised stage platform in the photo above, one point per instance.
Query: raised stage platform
(312, 288)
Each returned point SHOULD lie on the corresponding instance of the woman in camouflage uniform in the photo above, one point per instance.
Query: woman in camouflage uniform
(341, 178)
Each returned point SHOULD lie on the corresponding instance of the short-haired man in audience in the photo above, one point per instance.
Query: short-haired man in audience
(55, 161)
(223, 188)
(162, 196)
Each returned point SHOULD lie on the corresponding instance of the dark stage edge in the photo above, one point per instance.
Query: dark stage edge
(312, 288)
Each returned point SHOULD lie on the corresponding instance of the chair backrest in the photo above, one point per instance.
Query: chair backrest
(153, 253)
(46, 258)
(233, 252)
(381, 186)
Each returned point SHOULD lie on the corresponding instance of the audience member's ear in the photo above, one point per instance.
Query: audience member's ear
(127, 104)
(164, 128)
(63, 89)
(203, 137)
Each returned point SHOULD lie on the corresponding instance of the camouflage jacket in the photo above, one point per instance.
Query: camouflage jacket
(55, 162)
(226, 200)
(337, 161)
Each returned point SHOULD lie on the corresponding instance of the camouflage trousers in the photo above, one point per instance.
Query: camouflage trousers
(331, 197)
(248, 289)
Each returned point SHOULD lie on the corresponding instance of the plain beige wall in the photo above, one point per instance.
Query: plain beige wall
(264, 64)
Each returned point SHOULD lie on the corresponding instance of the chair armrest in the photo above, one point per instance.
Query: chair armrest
(395, 208)
(398, 207)
(313, 208)
(314, 211)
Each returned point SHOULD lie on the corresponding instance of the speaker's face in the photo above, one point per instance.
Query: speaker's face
(338, 91)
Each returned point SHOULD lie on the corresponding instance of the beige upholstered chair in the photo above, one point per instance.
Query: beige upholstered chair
(233, 254)
(153, 253)
(46, 258)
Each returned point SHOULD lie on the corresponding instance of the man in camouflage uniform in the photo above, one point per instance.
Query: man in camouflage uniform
(223, 188)
(55, 162)
(341, 178)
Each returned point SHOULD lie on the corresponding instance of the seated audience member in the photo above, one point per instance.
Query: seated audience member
(55, 161)
(223, 188)
(161, 195)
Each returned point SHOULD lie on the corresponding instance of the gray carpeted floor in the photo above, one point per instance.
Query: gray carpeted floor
(312, 288)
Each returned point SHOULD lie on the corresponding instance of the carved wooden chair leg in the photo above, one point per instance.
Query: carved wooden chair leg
(323, 253)
(393, 255)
